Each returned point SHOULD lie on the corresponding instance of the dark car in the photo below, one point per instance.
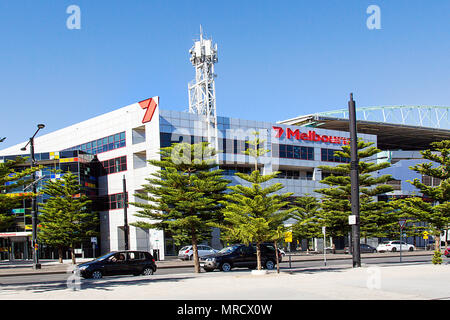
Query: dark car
(240, 256)
(118, 263)
(364, 248)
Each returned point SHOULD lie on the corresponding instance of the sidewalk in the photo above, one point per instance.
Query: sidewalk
(23, 268)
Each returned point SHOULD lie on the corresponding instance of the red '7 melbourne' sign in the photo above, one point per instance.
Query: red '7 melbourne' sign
(310, 136)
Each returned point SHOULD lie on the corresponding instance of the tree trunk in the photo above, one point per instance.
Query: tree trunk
(60, 254)
(276, 254)
(73, 254)
(195, 249)
(437, 241)
(258, 256)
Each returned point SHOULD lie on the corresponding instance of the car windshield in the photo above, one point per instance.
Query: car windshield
(385, 242)
(228, 249)
(184, 248)
(104, 256)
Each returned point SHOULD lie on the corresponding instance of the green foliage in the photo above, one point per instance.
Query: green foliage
(184, 194)
(376, 217)
(11, 174)
(65, 217)
(437, 257)
(306, 212)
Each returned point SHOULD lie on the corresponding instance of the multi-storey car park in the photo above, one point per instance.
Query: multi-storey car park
(117, 145)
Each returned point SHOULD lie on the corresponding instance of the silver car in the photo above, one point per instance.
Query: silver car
(187, 253)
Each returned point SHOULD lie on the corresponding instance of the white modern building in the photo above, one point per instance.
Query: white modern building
(123, 140)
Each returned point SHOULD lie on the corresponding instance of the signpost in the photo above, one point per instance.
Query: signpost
(425, 237)
(402, 223)
(94, 243)
(288, 239)
(324, 230)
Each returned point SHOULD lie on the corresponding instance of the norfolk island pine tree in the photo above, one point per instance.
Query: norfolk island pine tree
(376, 217)
(254, 214)
(183, 196)
(66, 217)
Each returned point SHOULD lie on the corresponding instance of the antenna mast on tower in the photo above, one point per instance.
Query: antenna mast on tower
(202, 91)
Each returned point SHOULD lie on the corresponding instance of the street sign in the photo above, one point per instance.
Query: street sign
(352, 219)
(94, 239)
(425, 237)
(288, 236)
(402, 223)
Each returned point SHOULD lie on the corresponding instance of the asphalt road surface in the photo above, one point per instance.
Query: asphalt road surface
(58, 280)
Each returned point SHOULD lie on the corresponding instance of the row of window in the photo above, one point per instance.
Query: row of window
(109, 143)
(230, 170)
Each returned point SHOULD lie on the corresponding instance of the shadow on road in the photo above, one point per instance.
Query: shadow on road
(107, 284)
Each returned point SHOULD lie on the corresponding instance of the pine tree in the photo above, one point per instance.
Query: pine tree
(255, 214)
(183, 197)
(307, 211)
(66, 218)
(12, 177)
(436, 211)
(376, 217)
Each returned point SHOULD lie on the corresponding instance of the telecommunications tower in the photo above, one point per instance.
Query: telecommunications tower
(202, 91)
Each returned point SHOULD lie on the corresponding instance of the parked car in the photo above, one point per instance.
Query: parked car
(238, 256)
(187, 253)
(363, 248)
(447, 252)
(394, 246)
(118, 263)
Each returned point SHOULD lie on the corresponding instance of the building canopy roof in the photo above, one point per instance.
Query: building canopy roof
(396, 128)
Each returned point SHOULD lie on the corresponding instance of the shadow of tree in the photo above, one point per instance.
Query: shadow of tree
(107, 284)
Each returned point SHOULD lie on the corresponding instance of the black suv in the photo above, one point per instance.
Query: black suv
(118, 263)
(238, 256)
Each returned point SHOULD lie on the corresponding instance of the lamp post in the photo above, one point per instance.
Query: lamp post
(354, 178)
(36, 264)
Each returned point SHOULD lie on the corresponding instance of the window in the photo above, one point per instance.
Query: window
(102, 145)
(113, 165)
(292, 152)
(115, 201)
(328, 155)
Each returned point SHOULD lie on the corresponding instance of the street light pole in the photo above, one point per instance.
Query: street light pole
(125, 214)
(36, 264)
(354, 178)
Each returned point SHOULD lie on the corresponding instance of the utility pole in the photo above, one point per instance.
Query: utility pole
(125, 214)
(354, 178)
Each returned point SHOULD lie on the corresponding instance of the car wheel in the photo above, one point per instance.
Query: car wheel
(97, 274)
(147, 271)
(270, 265)
(374, 251)
(411, 249)
(226, 267)
(191, 257)
(394, 249)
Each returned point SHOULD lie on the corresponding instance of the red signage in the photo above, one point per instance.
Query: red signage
(150, 105)
(310, 136)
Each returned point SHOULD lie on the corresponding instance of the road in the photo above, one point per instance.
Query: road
(22, 282)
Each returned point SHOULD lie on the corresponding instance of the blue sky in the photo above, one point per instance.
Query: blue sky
(277, 59)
